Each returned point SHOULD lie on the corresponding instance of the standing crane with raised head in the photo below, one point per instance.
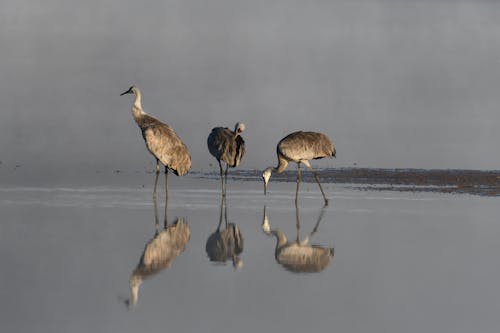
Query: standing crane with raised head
(228, 146)
(162, 142)
(300, 147)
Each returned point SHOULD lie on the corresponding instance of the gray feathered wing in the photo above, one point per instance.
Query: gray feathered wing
(167, 147)
(223, 145)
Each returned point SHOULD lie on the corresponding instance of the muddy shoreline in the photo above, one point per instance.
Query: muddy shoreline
(477, 182)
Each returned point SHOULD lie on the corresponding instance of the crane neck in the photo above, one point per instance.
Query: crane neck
(280, 236)
(281, 239)
(282, 164)
(135, 282)
(137, 111)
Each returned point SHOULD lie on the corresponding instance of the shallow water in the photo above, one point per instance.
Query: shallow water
(403, 262)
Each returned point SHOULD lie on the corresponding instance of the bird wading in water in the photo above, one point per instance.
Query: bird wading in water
(162, 142)
(300, 147)
(228, 146)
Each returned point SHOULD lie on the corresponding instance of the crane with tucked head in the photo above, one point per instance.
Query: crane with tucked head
(162, 142)
(300, 147)
(228, 146)
(225, 244)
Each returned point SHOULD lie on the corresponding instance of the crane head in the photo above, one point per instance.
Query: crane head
(265, 176)
(239, 128)
(130, 90)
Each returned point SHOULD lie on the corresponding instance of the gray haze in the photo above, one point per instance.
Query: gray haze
(393, 83)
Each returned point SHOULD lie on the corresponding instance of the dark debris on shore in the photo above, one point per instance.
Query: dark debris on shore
(477, 182)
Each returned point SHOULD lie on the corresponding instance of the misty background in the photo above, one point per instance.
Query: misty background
(395, 84)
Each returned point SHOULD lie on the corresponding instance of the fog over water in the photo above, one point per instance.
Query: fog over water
(393, 83)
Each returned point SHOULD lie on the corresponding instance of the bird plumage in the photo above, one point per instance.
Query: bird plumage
(159, 254)
(165, 145)
(161, 140)
(303, 258)
(298, 256)
(300, 147)
(160, 251)
(227, 146)
(227, 243)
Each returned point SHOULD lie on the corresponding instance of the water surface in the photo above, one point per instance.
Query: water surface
(403, 261)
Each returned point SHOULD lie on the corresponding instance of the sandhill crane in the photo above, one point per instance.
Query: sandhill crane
(300, 147)
(228, 146)
(225, 244)
(159, 253)
(299, 256)
(161, 141)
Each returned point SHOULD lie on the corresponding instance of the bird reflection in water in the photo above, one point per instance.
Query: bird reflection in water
(159, 253)
(299, 256)
(226, 244)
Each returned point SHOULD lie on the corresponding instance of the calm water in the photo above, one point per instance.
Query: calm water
(403, 262)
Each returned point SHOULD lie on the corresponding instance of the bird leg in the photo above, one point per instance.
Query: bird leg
(220, 216)
(157, 224)
(320, 217)
(317, 181)
(225, 180)
(225, 211)
(156, 178)
(297, 221)
(221, 179)
(166, 196)
(299, 179)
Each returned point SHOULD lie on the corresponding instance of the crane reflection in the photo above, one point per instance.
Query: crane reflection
(299, 256)
(159, 253)
(225, 244)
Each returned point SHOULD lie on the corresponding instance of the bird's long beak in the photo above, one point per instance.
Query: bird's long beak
(126, 92)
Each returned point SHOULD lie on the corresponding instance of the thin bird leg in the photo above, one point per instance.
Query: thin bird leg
(317, 181)
(157, 224)
(297, 221)
(225, 212)
(221, 179)
(156, 178)
(224, 201)
(166, 196)
(299, 178)
(225, 181)
(320, 217)
(220, 216)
